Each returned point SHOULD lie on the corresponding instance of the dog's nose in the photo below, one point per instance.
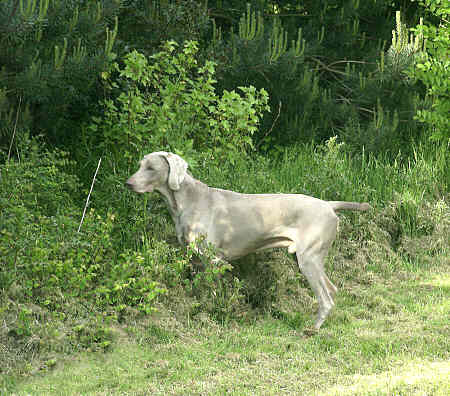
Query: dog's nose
(129, 184)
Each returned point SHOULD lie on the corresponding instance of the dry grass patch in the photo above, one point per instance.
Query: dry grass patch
(414, 378)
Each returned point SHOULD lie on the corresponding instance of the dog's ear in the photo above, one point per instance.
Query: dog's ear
(177, 170)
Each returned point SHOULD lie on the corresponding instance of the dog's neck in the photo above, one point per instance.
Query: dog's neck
(176, 198)
(170, 199)
(175, 201)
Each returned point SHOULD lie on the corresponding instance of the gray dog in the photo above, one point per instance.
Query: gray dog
(239, 224)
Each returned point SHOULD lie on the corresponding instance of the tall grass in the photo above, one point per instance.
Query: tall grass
(330, 172)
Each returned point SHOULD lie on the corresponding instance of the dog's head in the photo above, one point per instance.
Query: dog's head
(157, 170)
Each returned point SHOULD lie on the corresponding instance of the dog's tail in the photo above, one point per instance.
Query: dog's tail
(339, 205)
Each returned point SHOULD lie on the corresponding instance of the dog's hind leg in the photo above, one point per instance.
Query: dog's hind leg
(312, 267)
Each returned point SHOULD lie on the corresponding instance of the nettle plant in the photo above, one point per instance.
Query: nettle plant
(168, 102)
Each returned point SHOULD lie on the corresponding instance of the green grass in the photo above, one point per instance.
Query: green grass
(390, 337)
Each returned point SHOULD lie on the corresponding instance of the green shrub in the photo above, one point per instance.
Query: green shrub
(95, 337)
(45, 259)
(215, 289)
(168, 102)
(58, 285)
(433, 70)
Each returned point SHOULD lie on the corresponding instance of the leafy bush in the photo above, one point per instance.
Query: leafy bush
(168, 102)
(433, 70)
(43, 255)
(213, 286)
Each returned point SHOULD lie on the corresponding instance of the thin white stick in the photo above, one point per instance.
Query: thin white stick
(15, 126)
(89, 195)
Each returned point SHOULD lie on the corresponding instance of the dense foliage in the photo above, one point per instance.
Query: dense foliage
(336, 99)
(170, 101)
(433, 69)
(51, 54)
(324, 64)
(46, 253)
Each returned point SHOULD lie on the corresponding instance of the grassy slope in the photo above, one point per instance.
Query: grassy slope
(389, 333)
(384, 338)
